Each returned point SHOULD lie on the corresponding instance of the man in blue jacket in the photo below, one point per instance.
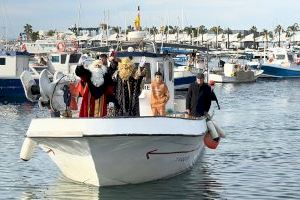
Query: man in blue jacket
(199, 97)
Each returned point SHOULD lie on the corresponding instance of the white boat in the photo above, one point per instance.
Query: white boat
(118, 150)
(235, 73)
(49, 46)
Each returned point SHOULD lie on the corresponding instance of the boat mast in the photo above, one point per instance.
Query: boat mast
(78, 17)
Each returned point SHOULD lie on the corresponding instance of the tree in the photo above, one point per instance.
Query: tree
(278, 30)
(34, 36)
(228, 31)
(28, 31)
(292, 30)
(253, 30)
(216, 30)
(266, 36)
(115, 29)
(51, 32)
(129, 28)
(202, 30)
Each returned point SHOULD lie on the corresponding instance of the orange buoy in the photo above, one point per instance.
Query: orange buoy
(209, 142)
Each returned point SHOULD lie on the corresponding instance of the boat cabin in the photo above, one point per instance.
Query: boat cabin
(281, 56)
(13, 63)
(65, 62)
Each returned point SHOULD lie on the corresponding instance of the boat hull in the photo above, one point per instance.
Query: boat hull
(11, 89)
(277, 71)
(183, 83)
(221, 78)
(105, 161)
(106, 152)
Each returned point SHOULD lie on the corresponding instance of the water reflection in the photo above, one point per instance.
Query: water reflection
(197, 183)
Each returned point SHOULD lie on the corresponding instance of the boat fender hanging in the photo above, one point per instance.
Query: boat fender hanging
(211, 129)
(209, 142)
(27, 149)
(219, 130)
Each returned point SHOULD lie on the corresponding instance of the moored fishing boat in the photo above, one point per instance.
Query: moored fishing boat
(12, 64)
(281, 64)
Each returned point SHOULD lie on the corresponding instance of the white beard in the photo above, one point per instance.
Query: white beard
(98, 75)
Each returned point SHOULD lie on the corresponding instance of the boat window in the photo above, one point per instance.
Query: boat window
(148, 73)
(280, 56)
(2, 61)
(74, 58)
(170, 71)
(147, 79)
(160, 68)
(290, 57)
(63, 58)
(55, 59)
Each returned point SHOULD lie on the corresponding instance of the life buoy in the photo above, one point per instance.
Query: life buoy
(23, 47)
(298, 61)
(61, 46)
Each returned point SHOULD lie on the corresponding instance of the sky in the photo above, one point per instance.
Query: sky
(60, 15)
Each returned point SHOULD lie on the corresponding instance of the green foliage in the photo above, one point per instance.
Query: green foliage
(51, 32)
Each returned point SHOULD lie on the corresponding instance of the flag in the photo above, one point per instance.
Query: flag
(137, 21)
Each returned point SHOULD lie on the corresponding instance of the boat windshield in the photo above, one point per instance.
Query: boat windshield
(74, 58)
(2, 61)
(147, 79)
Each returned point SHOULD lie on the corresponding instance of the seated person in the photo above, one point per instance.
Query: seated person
(159, 95)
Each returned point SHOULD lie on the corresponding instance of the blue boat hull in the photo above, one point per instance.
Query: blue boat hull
(11, 90)
(280, 72)
(183, 82)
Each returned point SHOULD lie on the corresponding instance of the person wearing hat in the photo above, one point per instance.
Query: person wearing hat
(128, 88)
(199, 96)
(159, 95)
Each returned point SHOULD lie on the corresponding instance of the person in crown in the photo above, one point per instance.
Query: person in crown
(128, 87)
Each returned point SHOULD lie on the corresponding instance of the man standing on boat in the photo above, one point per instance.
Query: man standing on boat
(198, 99)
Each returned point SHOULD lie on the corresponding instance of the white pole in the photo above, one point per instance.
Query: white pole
(78, 18)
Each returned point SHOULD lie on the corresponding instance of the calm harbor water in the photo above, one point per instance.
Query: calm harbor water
(259, 159)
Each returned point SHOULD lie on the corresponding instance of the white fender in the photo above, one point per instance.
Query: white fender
(27, 149)
(212, 130)
(219, 130)
(27, 82)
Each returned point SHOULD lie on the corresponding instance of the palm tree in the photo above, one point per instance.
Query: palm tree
(129, 28)
(216, 30)
(153, 31)
(253, 30)
(51, 32)
(293, 29)
(115, 29)
(278, 30)
(202, 30)
(176, 30)
(228, 31)
(28, 31)
(266, 36)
